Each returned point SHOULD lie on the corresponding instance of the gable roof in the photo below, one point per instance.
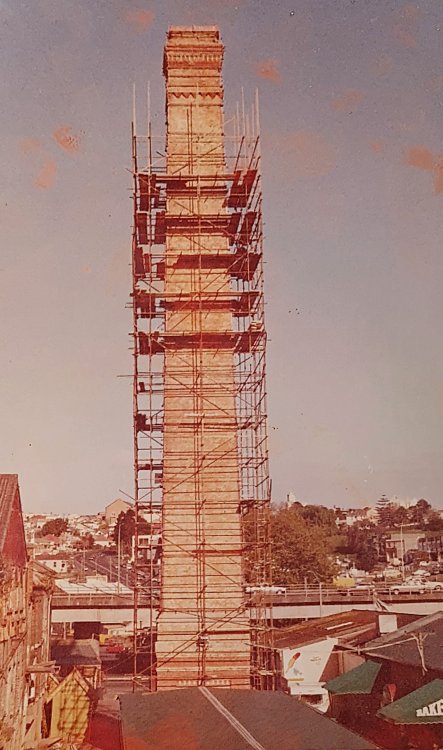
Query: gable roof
(74, 676)
(343, 625)
(402, 646)
(118, 501)
(216, 719)
(12, 533)
(52, 556)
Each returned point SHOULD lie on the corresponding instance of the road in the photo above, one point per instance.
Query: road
(314, 594)
(93, 562)
(101, 563)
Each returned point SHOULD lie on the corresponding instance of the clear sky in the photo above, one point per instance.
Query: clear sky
(352, 129)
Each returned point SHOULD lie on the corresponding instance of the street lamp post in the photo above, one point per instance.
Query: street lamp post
(320, 591)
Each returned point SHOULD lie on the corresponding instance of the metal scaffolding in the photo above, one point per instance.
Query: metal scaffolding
(238, 184)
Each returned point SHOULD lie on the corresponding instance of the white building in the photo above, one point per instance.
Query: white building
(57, 562)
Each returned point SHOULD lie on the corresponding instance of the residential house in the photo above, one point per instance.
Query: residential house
(57, 562)
(113, 510)
(399, 543)
(101, 540)
(351, 516)
(431, 544)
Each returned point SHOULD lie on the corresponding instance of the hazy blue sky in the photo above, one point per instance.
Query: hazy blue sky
(352, 127)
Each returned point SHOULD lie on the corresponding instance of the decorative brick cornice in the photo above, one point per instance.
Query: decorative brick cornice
(193, 48)
(174, 94)
(193, 60)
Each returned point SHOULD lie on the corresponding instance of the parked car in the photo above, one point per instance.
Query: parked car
(361, 587)
(415, 586)
(420, 573)
(433, 585)
(264, 589)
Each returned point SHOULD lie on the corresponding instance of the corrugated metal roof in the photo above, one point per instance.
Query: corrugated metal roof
(186, 718)
(92, 585)
(332, 626)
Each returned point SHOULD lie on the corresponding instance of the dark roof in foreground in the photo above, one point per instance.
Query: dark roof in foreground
(82, 652)
(222, 719)
(401, 645)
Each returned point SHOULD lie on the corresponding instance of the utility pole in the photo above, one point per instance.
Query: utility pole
(402, 548)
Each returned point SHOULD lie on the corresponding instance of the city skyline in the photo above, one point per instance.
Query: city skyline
(353, 185)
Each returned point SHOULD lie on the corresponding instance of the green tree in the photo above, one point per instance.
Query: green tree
(299, 550)
(420, 511)
(55, 527)
(399, 516)
(318, 515)
(125, 529)
(363, 545)
(85, 541)
(434, 522)
(385, 509)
